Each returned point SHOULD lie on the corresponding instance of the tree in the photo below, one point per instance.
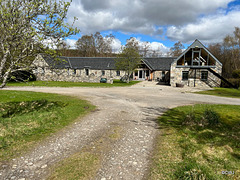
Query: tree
(231, 46)
(177, 49)
(27, 28)
(95, 45)
(128, 59)
(86, 46)
(228, 53)
(103, 44)
(145, 48)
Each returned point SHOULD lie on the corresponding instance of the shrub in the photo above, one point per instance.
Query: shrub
(211, 117)
(235, 82)
(189, 119)
(236, 74)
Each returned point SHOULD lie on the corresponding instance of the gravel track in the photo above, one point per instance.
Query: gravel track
(132, 109)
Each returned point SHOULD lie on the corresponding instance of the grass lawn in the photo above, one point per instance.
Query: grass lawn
(116, 83)
(26, 117)
(226, 92)
(198, 142)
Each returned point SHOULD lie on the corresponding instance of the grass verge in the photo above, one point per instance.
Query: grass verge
(26, 117)
(226, 92)
(116, 83)
(198, 142)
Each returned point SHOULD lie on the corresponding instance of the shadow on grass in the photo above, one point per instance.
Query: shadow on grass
(224, 133)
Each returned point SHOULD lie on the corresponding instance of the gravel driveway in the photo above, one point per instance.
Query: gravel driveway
(132, 110)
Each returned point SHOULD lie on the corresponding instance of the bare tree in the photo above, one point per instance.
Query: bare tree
(177, 49)
(95, 45)
(86, 46)
(231, 46)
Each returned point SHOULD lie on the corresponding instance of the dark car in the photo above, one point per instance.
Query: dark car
(103, 80)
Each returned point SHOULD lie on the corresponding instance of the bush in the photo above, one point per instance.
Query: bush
(235, 82)
(211, 117)
(236, 74)
(189, 119)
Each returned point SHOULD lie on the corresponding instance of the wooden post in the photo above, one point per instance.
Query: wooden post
(195, 74)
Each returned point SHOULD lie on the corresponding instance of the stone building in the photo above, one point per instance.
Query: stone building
(92, 69)
(195, 67)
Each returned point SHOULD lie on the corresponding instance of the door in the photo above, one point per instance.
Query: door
(140, 74)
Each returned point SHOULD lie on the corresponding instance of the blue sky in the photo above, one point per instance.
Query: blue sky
(160, 22)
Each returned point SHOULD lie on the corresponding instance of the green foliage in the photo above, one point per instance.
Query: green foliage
(25, 28)
(26, 117)
(211, 117)
(128, 59)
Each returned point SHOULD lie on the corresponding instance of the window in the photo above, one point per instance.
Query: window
(87, 72)
(74, 71)
(103, 73)
(185, 75)
(204, 75)
(43, 70)
(118, 73)
(136, 73)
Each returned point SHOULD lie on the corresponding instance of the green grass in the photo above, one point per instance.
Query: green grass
(188, 147)
(27, 117)
(81, 165)
(226, 92)
(116, 83)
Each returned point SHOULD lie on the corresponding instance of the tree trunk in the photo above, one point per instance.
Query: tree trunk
(5, 79)
(128, 79)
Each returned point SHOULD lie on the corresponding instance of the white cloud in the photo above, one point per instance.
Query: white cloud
(71, 43)
(139, 16)
(116, 45)
(210, 29)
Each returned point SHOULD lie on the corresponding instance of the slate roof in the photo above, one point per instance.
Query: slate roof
(105, 63)
(97, 63)
(161, 64)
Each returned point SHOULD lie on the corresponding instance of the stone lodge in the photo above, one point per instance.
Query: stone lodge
(195, 67)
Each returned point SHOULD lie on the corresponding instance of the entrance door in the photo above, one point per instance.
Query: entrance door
(140, 74)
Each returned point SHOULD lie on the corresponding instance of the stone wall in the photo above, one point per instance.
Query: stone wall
(212, 81)
(45, 73)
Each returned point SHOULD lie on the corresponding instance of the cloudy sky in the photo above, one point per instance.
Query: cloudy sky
(161, 22)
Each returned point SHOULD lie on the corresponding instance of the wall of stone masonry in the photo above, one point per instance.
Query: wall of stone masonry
(212, 81)
(44, 73)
